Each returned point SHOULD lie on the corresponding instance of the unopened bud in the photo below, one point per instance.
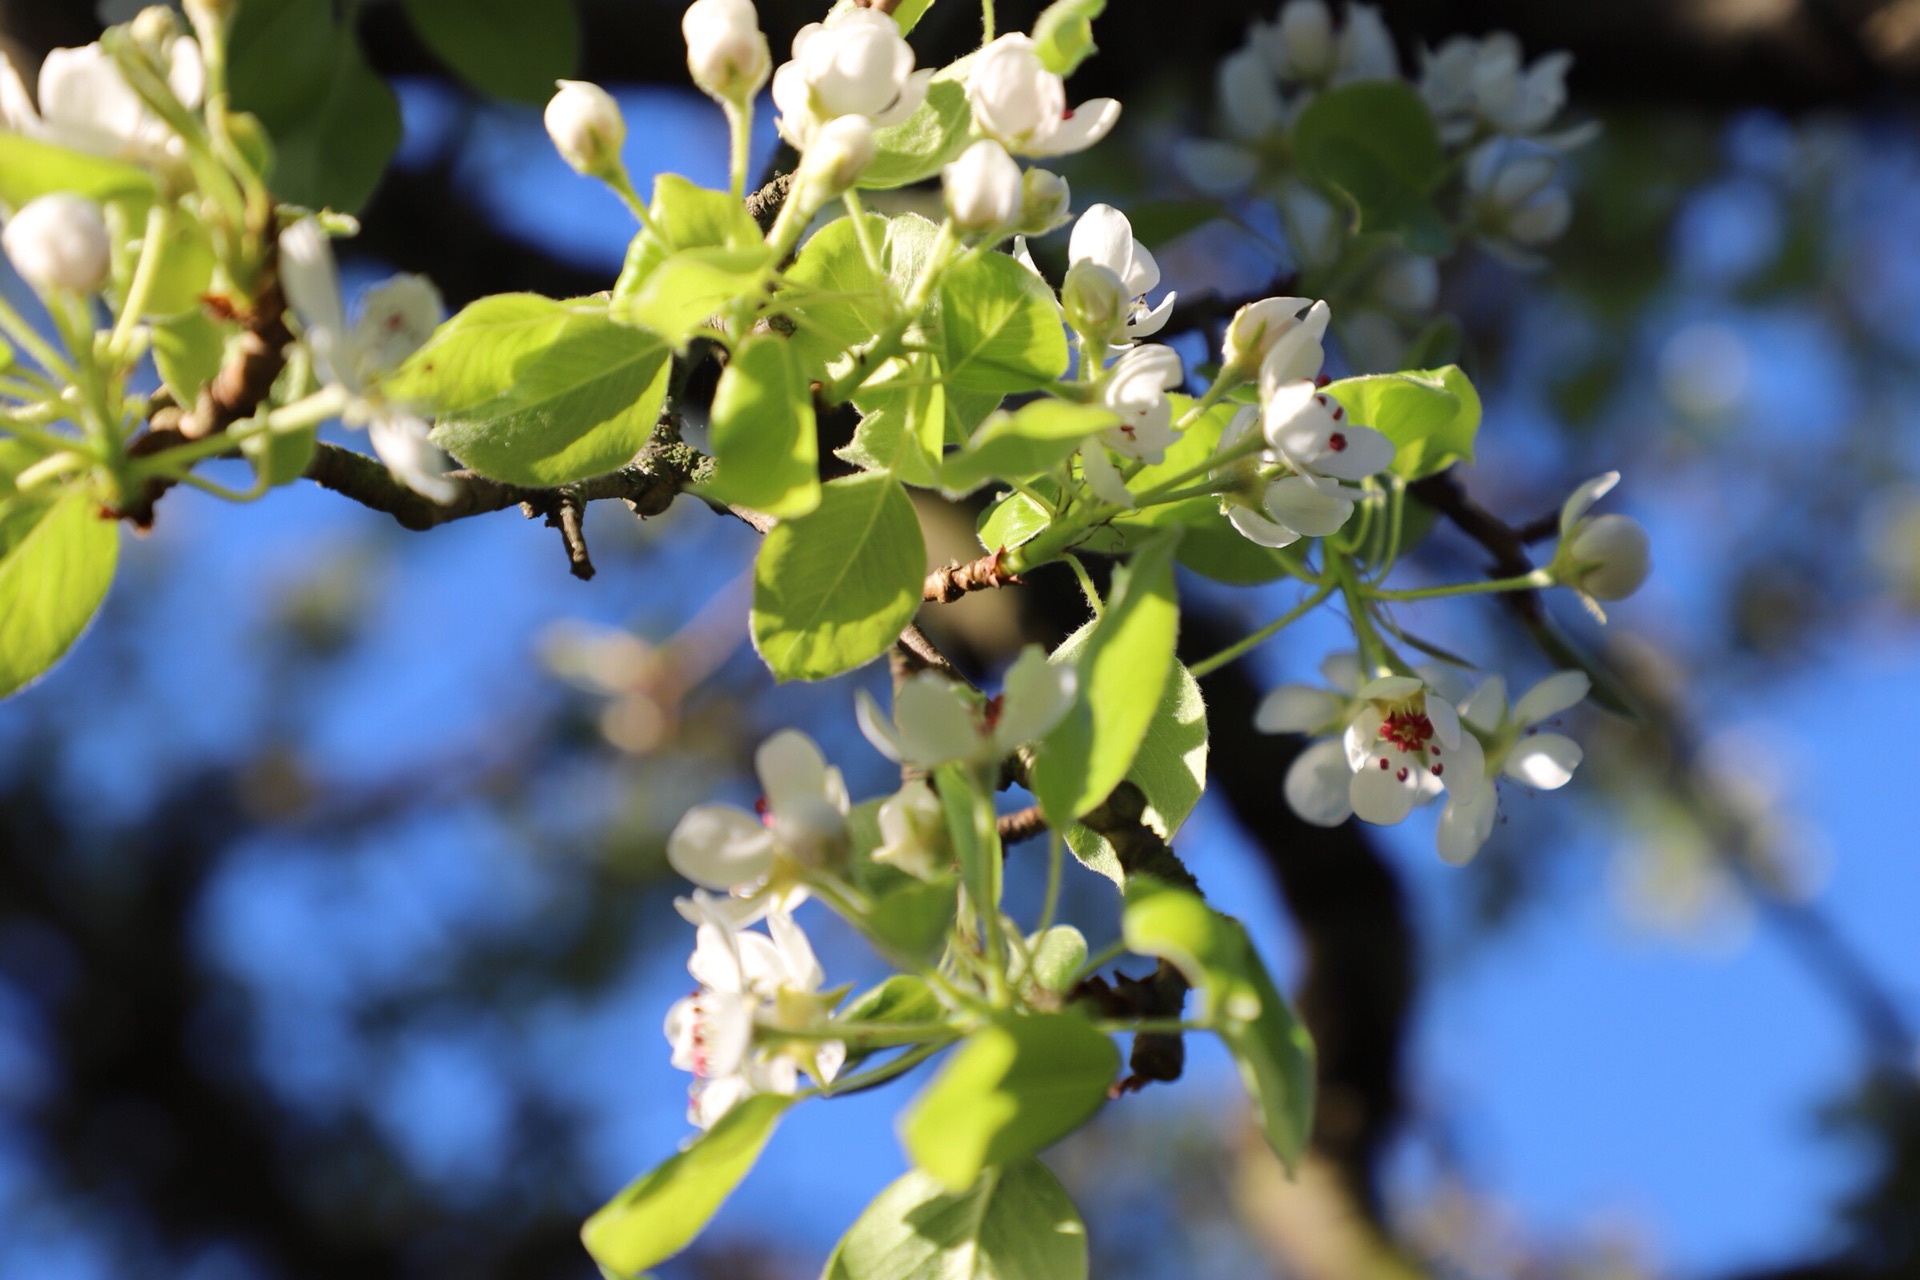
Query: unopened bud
(983, 187)
(726, 50)
(840, 151)
(59, 242)
(154, 29)
(1095, 301)
(586, 127)
(1045, 202)
(1607, 557)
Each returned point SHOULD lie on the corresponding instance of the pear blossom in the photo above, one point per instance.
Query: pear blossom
(1602, 557)
(586, 127)
(841, 150)
(749, 982)
(1306, 431)
(1250, 103)
(396, 318)
(983, 187)
(1104, 238)
(1045, 201)
(1317, 781)
(802, 827)
(727, 52)
(853, 64)
(59, 242)
(1271, 336)
(1136, 387)
(1515, 748)
(1518, 205)
(1473, 84)
(939, 721)
(87, 105)
(1019, 103)
(1301, 47)
(913, 832)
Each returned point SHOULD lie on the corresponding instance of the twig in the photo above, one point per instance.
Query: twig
(567, 509)
(764, 205)
(944, 586)
(1022, 824)
(916, 643)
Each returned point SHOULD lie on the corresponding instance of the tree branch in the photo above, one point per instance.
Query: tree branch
(944, 586)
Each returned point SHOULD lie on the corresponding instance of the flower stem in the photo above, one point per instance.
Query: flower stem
(1206, 666)
(1086, 583)
(880, 1074)
(1056, 857)
(740, 144)
(152, 247)
(1525, 582)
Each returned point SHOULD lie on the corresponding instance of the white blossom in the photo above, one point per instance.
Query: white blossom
(1518, 205)
(1602, 557)
(1306, 431)
(1274, 338)
(853, 64)
(1514, 748)
(1474, 84)
(1136, 388)
(913, 832)
(841, 150)
(1250, 103)
(727, 52)
(59, 242)
(939, 721)
(1103, 236)
(1020, 104)
(396, 318)
(1045, 202)
(764, 857)
(983, 187)
(87, 105)
(1301, 47)
(586, 127)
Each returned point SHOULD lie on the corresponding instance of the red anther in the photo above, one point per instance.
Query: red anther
(994, 706)
(1339, 412)
(1383, 763)
(765, 810)
(1323, 380)
(1438, 769)
(1067, 114)
(1407, 730)
(1322, 400)
(1435, 748)
(1402, 775)
(1337, 441)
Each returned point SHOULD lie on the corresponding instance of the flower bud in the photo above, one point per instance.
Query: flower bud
(1095, 301)
(840, 150)
(983, 187)
(59, 241)
(1045, 202)
(726, 51)
(586, 127)
(154, 29)
(1256, 327)
(1607, 557)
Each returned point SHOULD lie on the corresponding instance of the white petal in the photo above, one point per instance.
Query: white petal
(937, 721)
(1295, 708)
(1317, 784)
(1544, 761)
(1217, 168)
(878, 729)
(308, 279)
(1464, 767)
(802, 971)
(1445, 721)
(1361, 735)
(1585, 496)
(1090, 122)
(1142, 273)
(792, 771)
(1365, 452)
(1257, 528)
(1443, 680)
(1342, 671)
(1391, 688)
(1559, 691)
(1036, 696)
(1486, 708)
(1144, 324)
(721, 847)
(1102, 476)
(1102, 236)
(402, 442)
(715, 963)
(1300, 504)
(1466, 823)
(1382, 796)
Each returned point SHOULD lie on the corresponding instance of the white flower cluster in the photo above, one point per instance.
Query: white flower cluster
(1387, 744)
(1486, 100)
(753, 987)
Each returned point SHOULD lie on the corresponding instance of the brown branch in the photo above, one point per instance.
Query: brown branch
(765, 204)
(915, 642)
(1022, 824)
(567, 509)
(944, 586)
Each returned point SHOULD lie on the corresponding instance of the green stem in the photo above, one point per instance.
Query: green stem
(1376, 659)
(45, 441)
(986, 22)
(876, 1035)
(1101, 959)
(739, 144)
(887, 344)
(863, 234)
(1207, 666)
(880, 1074)
(1525, 582)
(1086, 583)
(623, 187)
(28, 337)
(1056, 858)
(145, 272)
(1151, 1026)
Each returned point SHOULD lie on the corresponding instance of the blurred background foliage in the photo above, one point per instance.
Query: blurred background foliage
(335, 929)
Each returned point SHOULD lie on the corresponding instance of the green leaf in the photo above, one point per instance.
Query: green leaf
(56, 562)
(661, 1212)
(334, 123)
(1375, 143)
(1016, 518)
(901, 998)
(934, 135)
(1033, 439)
(683, 290)
(1170, 768)
(903, 422)
(1015, 1223)
(1063, 34)
(1213, 548)
(30, 168)
(1015, 1087)
(835, 300)
(975, 834)
(1431, 415)
(911, 922)
(281, 457)
(508, 48)
(537, 392)
(833, 588)
(765, 454)
(1269, 1045)
(1124, 668)
(188, 350)
(684, 216)
(1000, 327)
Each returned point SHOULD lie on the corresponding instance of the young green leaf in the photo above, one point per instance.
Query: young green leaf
(835, 300)
(833, 588)
(1027, 442)
(911, 922)
(508, 48)
(1015, 1223)
(56, 562)
(903, 422)
(1431, 415)
(188, 350)
(684, 289)
(1000, 327)
(932, 136)
(765, 455)
(661, 1212)
(537, 392)
(30, 168)
(1063, 34)
(1375, 142)
(1269, 1045)
(684, 216)
(1013, 1088)
(1124, 669)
